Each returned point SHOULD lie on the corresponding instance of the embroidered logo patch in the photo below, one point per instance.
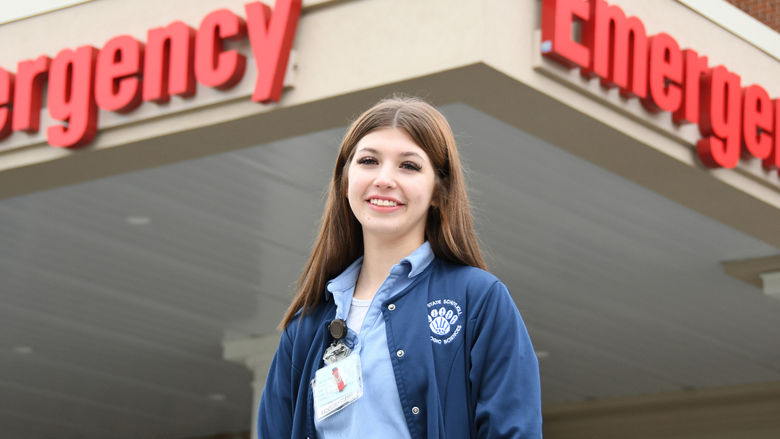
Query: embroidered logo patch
(443, 316)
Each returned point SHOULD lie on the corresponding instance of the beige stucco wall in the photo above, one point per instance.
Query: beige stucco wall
(345, 46)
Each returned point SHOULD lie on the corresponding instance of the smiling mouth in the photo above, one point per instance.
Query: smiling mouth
(383, 203)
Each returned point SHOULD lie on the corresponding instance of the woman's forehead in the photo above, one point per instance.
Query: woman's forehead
(389, 141)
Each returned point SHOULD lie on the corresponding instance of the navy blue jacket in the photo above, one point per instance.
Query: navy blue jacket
(467, 369)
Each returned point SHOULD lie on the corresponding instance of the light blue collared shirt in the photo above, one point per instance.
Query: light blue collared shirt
(378, 413)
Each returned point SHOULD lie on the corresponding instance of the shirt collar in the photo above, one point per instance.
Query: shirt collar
(418, 261)
(346, 280)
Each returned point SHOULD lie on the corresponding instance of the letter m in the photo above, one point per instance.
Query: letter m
(619, 48)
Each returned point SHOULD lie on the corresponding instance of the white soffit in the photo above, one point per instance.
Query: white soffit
(739, 23)
(13, 11)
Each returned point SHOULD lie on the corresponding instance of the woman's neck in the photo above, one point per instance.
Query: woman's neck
(379, 256)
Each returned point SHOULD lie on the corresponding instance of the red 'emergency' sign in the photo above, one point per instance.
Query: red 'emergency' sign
(126, 72)
(732, 119)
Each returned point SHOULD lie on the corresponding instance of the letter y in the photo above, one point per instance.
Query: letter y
(271, 36)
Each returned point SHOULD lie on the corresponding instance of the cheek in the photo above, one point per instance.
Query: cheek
(351, 184)
(430, 191)
(354, 189)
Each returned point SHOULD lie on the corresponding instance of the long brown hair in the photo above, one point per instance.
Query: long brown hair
(449, 227)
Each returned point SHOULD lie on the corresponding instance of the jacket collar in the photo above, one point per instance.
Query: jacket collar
(345, 282)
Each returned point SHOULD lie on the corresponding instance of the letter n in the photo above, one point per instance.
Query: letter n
(168, 62)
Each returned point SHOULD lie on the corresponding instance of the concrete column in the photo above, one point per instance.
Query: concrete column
(255, 353)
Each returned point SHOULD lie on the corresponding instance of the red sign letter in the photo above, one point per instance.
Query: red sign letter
(773, 161)
(665, 67)
(619, 47)
(117, 86)
(168, 62)
(757, 121)
(71, 100)
(27, 94)
(720, 120)
(695, 66)
(6, 97)
(271, 36)
(557, 19)
(213, 67)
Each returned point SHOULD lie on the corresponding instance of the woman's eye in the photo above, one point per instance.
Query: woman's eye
(411, 166)
(367, 161)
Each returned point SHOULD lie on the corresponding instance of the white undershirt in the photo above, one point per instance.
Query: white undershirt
(357, 313)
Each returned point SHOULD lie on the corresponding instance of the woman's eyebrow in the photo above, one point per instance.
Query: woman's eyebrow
(411, 153)
(368, 149)
(374, 151)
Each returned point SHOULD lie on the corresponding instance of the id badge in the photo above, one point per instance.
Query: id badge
(336, 386)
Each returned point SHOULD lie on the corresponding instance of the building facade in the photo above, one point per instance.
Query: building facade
(163, 165)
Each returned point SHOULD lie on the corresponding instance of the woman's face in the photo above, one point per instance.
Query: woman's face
(390, 185)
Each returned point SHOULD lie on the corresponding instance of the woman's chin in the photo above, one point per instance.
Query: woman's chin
(386, 232)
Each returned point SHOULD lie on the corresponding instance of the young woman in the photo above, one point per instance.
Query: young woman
(397, 331)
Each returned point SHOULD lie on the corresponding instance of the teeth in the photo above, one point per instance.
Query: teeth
(386, 203)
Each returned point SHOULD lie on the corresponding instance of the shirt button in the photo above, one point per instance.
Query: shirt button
(415, 410)
(391, 307)
(400, 353)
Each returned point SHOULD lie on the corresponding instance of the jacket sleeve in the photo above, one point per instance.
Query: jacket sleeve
(504, 373)
(275, 411)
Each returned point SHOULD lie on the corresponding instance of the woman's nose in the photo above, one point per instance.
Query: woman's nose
(385, 177)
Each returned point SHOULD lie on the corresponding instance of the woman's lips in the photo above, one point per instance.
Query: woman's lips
(383, 204)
